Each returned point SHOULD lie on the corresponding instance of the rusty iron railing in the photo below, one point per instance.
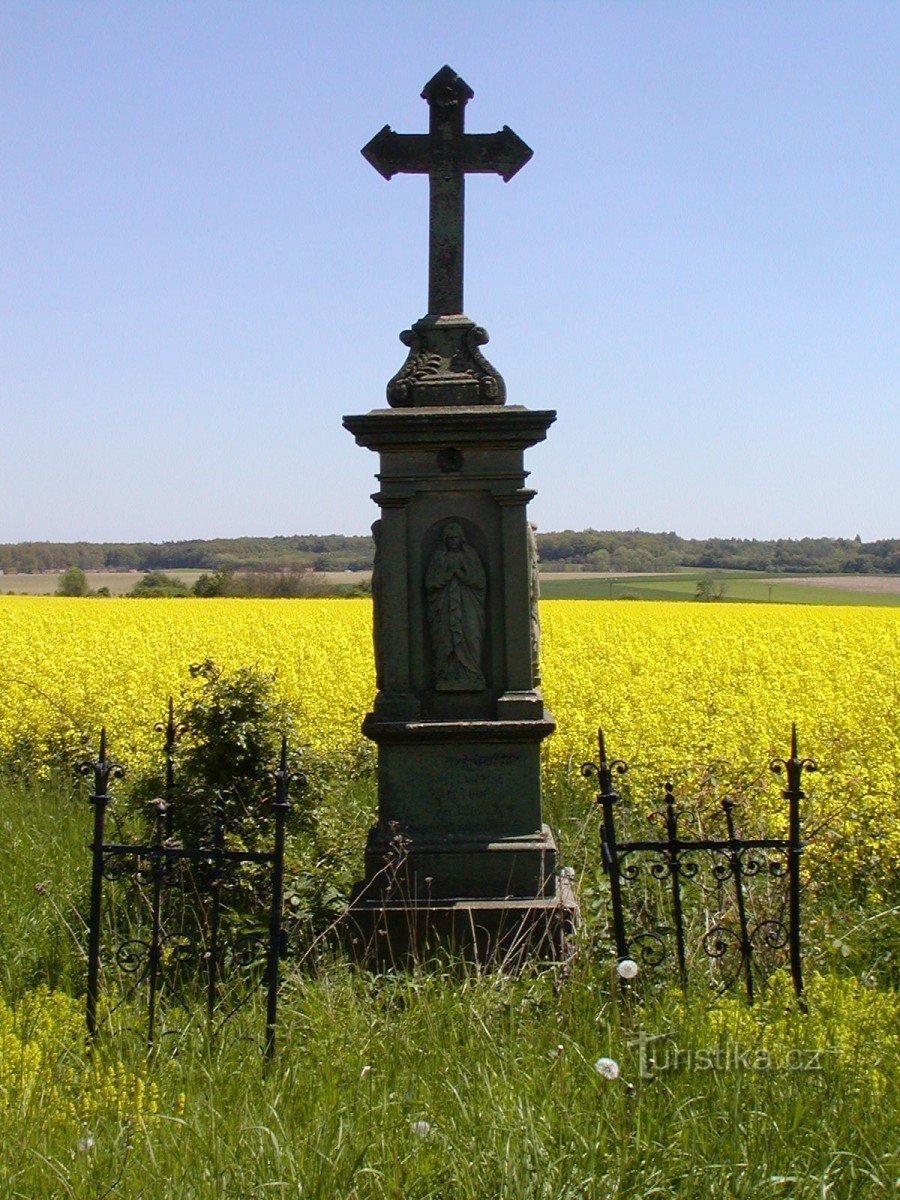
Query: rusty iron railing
(733, 940)
(177, 931)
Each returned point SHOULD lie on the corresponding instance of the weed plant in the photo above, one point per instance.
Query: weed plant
(44, 884)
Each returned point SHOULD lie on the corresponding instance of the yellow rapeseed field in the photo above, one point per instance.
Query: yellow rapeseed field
(676, 686)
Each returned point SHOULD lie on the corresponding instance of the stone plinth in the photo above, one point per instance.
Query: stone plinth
(458, 717)
(506, 933)
(465, 795)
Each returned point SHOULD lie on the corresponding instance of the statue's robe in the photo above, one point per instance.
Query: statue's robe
(455, 585)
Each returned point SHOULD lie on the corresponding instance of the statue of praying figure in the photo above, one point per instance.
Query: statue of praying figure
(455, 585)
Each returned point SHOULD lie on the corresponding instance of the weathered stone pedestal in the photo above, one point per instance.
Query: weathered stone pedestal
(460, 850)
(460, 853)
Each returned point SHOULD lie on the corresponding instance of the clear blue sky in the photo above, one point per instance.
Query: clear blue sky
(200, 274)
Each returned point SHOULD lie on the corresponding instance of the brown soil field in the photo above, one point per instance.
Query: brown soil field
(852, 583)
(118, 582)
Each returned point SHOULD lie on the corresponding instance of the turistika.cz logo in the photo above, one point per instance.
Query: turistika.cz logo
(658, 1053)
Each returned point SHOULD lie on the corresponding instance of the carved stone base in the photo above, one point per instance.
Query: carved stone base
(421, 869)
(460, 853)
(507, 934)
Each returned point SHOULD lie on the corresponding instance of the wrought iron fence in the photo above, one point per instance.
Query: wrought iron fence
(173, 928)
(742, 927)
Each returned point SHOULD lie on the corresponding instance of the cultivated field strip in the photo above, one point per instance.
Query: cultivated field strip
(675, 686)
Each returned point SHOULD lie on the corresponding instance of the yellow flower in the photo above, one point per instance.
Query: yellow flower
(675, 686)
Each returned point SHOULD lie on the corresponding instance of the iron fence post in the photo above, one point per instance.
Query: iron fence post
(102, 769)
(99, 801)
(606, 797)
(672, 852)
(793, 793)
(737, 870)
(157, 870)
(172, 733)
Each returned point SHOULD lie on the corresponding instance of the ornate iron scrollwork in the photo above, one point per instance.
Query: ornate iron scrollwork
(742, 933)
(649, 948)
(179, 922)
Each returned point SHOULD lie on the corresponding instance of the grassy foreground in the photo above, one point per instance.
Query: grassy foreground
(445, 1086)
(445, 1083)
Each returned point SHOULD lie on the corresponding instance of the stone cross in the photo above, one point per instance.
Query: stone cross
(460, 852)
(446, 154)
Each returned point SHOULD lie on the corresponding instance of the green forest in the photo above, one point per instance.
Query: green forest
(586, 550)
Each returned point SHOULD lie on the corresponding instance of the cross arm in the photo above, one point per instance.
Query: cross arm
(393, 153)
(502, 153)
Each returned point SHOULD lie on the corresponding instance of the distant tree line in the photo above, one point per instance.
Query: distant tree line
(331, 552)
(636, 550)
(588, 549)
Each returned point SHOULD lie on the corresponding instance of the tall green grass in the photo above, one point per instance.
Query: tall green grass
(44, 880)
(442, 1084)
(445, 1082)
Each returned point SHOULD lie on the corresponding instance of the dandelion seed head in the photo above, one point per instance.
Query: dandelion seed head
(421, 1128)
(627, 968)
(607, 1067)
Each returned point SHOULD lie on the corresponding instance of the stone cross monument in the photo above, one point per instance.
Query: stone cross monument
(460, 850)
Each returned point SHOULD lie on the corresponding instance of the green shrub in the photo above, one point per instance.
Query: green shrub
(158, 583)
(72, 582)
(230, 725)
(230, 738)
(216, 584)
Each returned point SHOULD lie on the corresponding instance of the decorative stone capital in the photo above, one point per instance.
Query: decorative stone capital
(476, 427)
(517, 497)
(445, 366)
